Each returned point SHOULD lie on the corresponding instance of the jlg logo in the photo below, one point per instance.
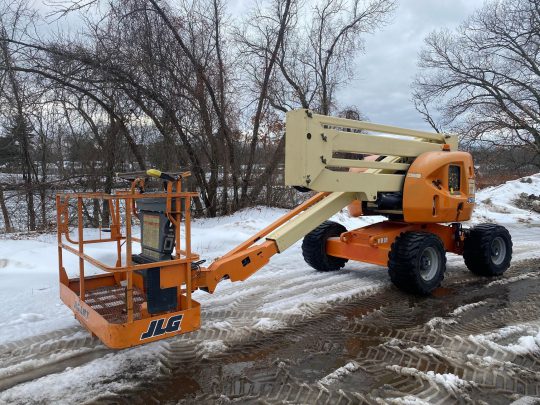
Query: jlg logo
(156, 327)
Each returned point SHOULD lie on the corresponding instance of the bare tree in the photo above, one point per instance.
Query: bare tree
(261, 42)
(484, 77)
(291, 64)
(352, 112)
(318, 55)
(171, 84)
(421, 105)
(16, 97)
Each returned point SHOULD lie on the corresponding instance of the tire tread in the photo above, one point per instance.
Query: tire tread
(402, 261)
(314, 247)
(476, 251)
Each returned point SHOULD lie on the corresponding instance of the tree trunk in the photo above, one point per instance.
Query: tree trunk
(5, 212)
(30, 204)
(268, 170)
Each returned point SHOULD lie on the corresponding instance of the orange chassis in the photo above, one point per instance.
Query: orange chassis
(372, 243)
(112, 305)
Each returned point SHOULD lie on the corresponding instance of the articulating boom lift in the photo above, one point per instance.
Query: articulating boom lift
(418, 180)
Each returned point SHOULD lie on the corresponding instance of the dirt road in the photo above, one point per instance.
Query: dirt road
(474, 341)
(374, 346)
(378, 346)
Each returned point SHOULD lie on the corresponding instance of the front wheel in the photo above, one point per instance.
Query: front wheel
(487, 250)
(417, 262)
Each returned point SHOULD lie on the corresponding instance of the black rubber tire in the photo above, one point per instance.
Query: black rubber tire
(314, 247)
(477, 250)
(406, 260)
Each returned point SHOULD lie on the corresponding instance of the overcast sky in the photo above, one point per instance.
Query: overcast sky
(386, 70)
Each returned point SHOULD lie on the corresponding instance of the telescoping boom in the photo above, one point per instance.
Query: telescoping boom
(418, 180)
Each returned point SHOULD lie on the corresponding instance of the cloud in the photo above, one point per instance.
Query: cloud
(386, 70)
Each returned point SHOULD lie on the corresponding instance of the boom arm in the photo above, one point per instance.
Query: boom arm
(248, 257)
(313, 143)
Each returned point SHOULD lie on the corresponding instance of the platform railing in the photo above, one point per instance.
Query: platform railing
(123, 269)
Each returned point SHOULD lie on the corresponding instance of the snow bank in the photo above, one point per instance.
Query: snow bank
(497, 204)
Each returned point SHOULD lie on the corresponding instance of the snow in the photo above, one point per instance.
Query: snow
(427, 349)
(218, 325)
(520, 339)
(31, 307)
(512, 279)
(464, 308)
(436, 322)
(496, 204)
(406, 400)
(450, 381)
(32, 364)
(99, 377)
(526, 344)
(210, 347)
(340, 373)
(268, 324)
(526, 401)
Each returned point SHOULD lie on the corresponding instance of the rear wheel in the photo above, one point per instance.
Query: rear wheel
(314, 247)
(417, 262)
(487, 250)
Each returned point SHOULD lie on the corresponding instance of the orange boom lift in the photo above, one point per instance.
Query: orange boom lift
(417, 180)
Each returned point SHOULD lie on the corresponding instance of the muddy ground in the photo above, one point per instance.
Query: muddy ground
(376, 347)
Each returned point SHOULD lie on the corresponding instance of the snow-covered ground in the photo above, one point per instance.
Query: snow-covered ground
(497, 204)
(287, 287)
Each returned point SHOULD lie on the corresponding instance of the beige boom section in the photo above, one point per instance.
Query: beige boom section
(320, 151)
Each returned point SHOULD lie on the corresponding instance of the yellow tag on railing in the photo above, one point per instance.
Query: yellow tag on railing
(154, 173)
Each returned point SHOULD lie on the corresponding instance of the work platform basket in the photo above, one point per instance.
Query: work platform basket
(144, 296)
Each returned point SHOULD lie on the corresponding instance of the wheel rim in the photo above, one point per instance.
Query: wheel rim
(429, 263)
(498, 250)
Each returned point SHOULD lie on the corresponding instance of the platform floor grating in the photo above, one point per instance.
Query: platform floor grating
(110, 303)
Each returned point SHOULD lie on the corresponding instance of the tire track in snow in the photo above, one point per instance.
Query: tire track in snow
(37, 356)
(386, 333)
(372, 317)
